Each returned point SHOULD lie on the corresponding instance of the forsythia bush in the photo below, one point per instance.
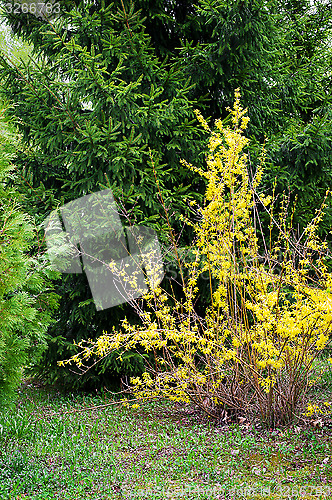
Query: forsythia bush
(271, 304)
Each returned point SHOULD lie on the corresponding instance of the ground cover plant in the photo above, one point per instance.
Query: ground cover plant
(73, 447)
(253, 350)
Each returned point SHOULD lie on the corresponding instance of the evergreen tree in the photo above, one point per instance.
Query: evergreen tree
(300, 153)
(278, 53)
(26, 299)
(99, 109)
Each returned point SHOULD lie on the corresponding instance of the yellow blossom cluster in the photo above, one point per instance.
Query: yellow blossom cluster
(315, 410)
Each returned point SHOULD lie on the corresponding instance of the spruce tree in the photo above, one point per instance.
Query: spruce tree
(98, 109)
(300, 152)
(279, 54)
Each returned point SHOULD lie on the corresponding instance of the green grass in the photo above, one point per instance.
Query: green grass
(53, 447)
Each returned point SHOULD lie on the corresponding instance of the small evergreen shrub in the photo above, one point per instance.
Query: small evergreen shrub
(26, 299)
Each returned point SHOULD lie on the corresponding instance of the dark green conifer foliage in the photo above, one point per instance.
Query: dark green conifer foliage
(99, 109)
(300, 153)
(279, 53)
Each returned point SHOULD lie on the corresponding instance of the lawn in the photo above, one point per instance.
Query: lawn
(58, 447)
